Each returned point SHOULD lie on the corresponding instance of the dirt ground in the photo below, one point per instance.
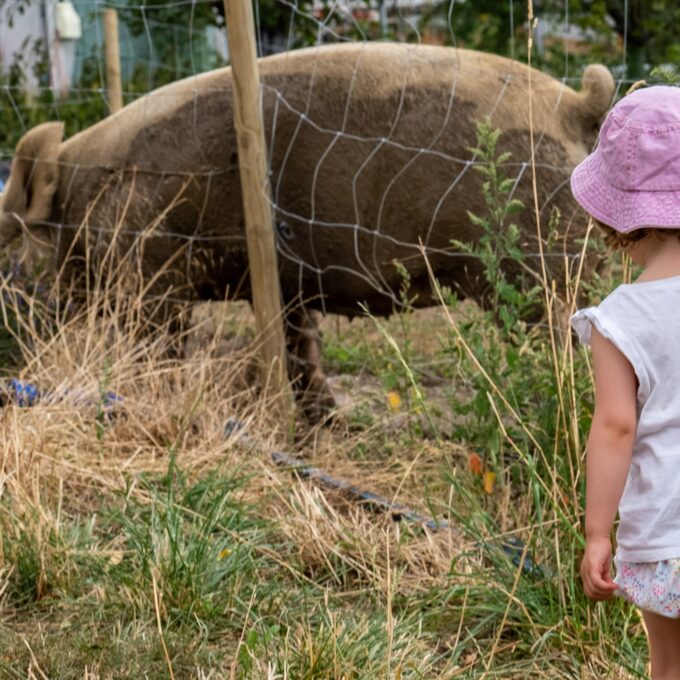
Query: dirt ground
(358, 363)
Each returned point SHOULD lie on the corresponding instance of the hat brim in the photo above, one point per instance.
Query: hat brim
(618, 208)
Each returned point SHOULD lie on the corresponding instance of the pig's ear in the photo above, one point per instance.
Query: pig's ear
(34, 175)
(596, 95)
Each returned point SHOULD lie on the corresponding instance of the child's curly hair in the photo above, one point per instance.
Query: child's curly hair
(618, 241)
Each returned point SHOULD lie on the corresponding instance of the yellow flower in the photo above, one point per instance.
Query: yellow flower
(489, 481)
(394, 400)
(225, 552)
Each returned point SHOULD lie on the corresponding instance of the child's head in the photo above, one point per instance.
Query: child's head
(630, 184)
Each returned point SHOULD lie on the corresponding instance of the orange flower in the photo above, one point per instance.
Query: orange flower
(475, 463)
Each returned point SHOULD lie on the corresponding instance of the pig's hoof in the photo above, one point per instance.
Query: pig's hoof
(317, 405)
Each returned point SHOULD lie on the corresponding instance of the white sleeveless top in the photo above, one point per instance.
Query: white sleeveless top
(643, 321)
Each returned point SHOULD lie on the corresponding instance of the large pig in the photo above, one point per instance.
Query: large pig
(369, 147)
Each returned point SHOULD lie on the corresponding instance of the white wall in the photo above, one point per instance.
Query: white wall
(37, 22)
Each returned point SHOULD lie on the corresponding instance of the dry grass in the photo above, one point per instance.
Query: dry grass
(72, 458)
(135, 538)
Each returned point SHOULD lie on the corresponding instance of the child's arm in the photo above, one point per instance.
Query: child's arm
(610, 446)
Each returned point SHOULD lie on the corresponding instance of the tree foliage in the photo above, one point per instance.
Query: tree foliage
(647, 29)
(640, 33)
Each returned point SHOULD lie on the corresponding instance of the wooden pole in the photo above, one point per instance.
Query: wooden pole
(112, 53)
(264, 278)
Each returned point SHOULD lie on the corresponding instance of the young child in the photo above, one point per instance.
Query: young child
(631, 186)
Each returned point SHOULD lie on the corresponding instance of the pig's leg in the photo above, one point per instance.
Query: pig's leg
(304, 364)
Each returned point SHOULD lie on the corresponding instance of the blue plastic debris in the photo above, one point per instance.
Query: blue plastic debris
(25, 394)
(21, 393)
(232, 426)
(110, 399)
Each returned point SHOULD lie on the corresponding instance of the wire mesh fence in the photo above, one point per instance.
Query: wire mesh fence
(371, 113)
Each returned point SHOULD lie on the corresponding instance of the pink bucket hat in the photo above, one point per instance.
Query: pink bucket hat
(632, 179)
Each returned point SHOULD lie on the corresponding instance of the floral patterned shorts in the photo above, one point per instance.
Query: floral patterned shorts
(652, 586)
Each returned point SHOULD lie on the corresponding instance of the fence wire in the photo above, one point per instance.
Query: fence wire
(324, 231)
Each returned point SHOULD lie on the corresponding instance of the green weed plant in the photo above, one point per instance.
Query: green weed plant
(527, 423)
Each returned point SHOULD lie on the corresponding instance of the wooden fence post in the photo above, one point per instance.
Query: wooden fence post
(264, 276)
(112, 53)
